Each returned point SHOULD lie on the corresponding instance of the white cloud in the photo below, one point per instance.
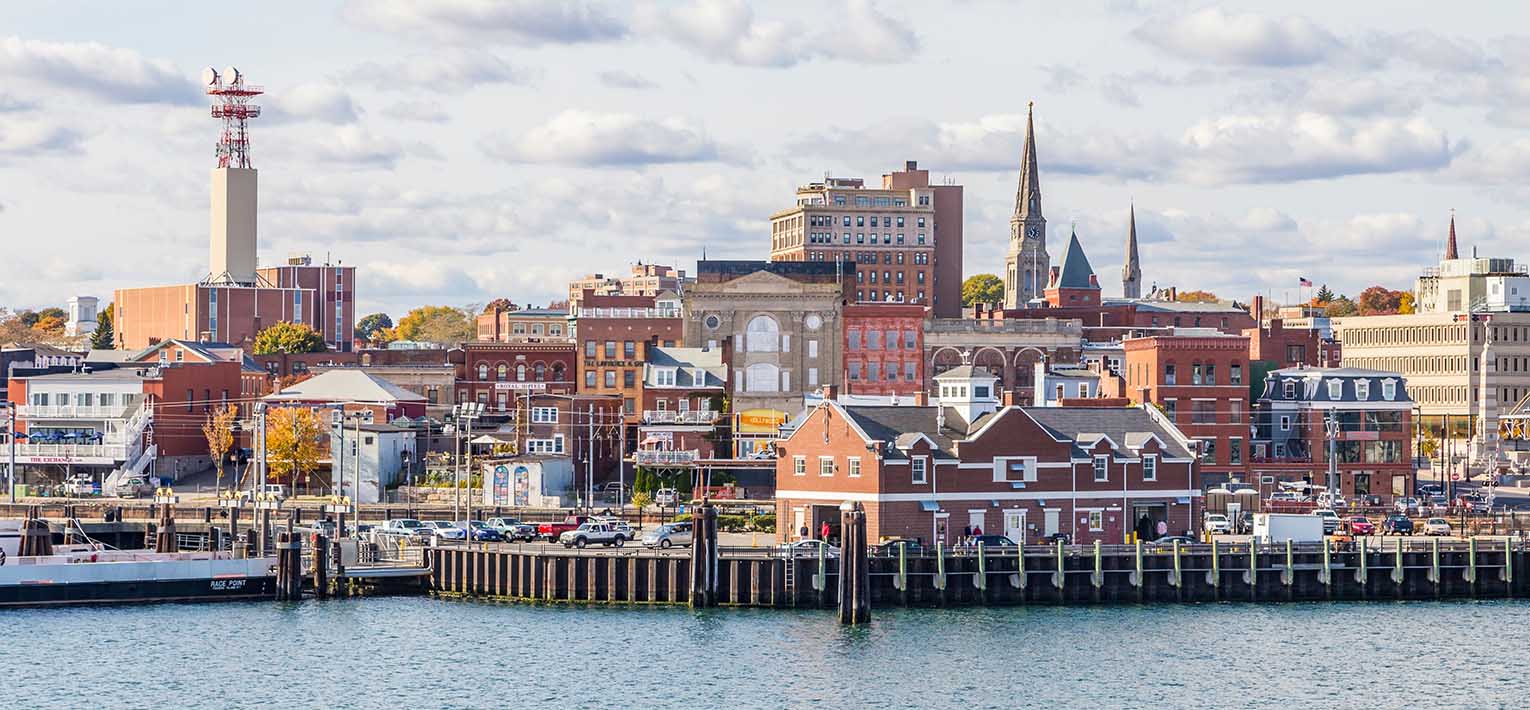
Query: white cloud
(35, 137)
(618, 79)
(11, 104)
(524, 21)
(423, 111)
(354, 147)
(1306, 146)
(447, 71)
(728, 31)
(1213, 34)
(1061, 78)
(587, 138)
(111, 73)
(314, 101)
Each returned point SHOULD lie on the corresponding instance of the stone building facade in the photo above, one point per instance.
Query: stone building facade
(1007, 348)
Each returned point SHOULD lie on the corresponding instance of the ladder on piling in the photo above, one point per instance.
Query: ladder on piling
(791, 576)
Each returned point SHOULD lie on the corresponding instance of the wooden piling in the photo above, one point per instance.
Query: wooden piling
(703, 566)
(854, 575)
(321, 566)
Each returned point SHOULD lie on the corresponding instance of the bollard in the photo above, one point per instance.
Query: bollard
(1098, 577)
(1175, 580)
(1397, 567)
(940, 565)
(901, 583)
(1214, 577)
(320, 566)
(1060, 576)
(1017, 580)
(1471, 562)
(1434, 563)
(980, 581)
(1326, 575)
(1288, 575)
(1506, 575)
(1362, 575)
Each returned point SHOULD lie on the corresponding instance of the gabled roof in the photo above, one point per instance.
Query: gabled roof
(346, 386)
(195, 348)
(1076, 271)
(686, 361)
(891, 424)
(965, 372)
(1129, 425)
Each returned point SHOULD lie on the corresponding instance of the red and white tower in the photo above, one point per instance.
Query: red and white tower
(233, 106)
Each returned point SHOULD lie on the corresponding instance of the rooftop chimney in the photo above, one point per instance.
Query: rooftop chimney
(910, 165)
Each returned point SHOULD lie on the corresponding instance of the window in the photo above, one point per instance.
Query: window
(786, 343)
(1150, 467)
(909, 339)
(799, 463)
(1195, 374)
(629, 378)
(762, 335)
(1235, 451)
(854, 467)
(544, 415)
(1235, 374)
(610, 349)
(873, 371)
(855, 371)
(812, 346)
(589, 348)
(610, 378)
(812, 377)
(629, 406)
(629, 349)
(1203, 412)
(1285, 422)
(917, 467)
(664, 378)
(1388, 390)
(873, 339)
(589, 378)
(483, 372)
(1171, 409)
(1168, 374)
(541, 370)
(825, 465)
(1288, 390)
(1014, 469)
(1335, 389)
(1362, 389)
(1208, 451)
(910, 368)
(1096, 520)
(1211, 374)
(501, 370)
(762, 377)
(1101, 468)
(786, 381)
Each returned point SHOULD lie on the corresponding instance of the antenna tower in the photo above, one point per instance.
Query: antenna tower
(233, 107)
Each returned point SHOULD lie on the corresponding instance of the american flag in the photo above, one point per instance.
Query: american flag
(1303, 280)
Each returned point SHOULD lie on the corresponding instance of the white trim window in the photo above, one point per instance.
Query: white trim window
(1335, 389)
(1101, 467)
(854, 467)
(544, 415)
(1096, 520)
(1014, 469)
(918, 467)
(799, 465)
(1389, 390)
(1285, 422)
(1362, 390)
(825, 466)
(1150, 467)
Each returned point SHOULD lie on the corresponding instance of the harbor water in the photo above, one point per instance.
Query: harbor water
(428, 653)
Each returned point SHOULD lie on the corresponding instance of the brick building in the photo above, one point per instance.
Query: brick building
(683, 394)
(614, 335)
(1028, 473)
(1007, 348)
(508, 325)
(884, 348)
(494, 374)
(1199, 379)
(1373, 415)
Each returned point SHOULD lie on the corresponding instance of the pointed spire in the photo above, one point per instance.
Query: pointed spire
(1131, 273)
(1450, 244)
(1028, 194)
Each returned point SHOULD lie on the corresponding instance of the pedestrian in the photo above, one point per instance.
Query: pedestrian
(1144, 527)
(803, 533)
(977, 531)
(824, 530)
(1163, 529)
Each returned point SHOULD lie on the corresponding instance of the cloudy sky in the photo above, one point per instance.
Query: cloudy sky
(461, 150)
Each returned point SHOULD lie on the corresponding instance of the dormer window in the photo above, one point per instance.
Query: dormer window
(1288, 390)
(1336, 389)
(980, 391)
(1389, 390)
(1362, 390)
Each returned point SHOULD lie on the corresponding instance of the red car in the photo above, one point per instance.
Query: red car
(1360, 525)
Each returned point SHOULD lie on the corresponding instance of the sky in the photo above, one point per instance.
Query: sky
(458, 151)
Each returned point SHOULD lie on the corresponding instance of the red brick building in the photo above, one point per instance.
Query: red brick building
(494, 373)
(683, 394)
(884, 348)
(931, 472)
(614, 334)
(1200, 380)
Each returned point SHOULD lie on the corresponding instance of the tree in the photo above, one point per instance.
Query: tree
(503, 304)
(1379, 301)
(982, 288)
(372, 325)
(1323, 297)
(1406, 304)
(289, 338)
(1340, 306)
(292, 444)
(1196, 297)
(219, 430)
(104, 337)
(641, 500)
(447, 325)
(50, 324)
(20, 329)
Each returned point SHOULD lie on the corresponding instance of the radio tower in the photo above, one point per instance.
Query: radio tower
(234, 108)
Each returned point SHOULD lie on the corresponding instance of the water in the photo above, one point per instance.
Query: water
(425, 653)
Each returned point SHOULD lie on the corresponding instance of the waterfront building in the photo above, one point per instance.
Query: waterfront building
(969, 461)
(683, 395)
(884, 348)
(351, 391)
(1008, 349)
(1199, 379)
(437, 383)
(905, 237)
(786, 322)
(1367, 414)
(614, 335)
(497, 374)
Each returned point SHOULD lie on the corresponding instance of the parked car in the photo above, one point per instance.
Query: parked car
(1285, 497)
(1436, 526)
(1397, 524)
(552, 531)
(1430, 489)
(591, 532)
(442, 531)
(988, 541)
(275, 490)
(1217, 524)
(809, 548)
(1331, 501)
(1439, 504)
(1330, 520)
(891, 548)
(1368, 500)
(1407, 504)
(1359, 525)
(618, 524)
(1171, 539)
(132, 487)
(666, 497)
(668, 535)
(1061, 537)
(513, 530)
(403, 530)
(482, 531)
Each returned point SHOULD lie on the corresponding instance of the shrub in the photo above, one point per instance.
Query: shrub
(763, 523)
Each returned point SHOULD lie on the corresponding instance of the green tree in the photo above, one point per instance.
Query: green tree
(1340, 306)
(447, 325)
(104, 337)
(1324, 295)
(289, 338)
(370, 326)
(982, 288)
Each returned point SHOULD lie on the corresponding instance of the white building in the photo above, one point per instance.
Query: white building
(82, 316)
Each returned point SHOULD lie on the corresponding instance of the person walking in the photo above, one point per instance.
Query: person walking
(824, 531)
(977, 531)
(1163, 529)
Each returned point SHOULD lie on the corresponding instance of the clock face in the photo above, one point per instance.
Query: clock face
(1032, 231)
(813, 321)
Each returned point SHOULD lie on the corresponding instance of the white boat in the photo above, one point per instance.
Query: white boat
(94, 574)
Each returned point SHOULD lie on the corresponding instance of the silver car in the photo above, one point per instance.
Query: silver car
(668, 535)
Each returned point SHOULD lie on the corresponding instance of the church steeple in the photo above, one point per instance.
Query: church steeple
(1131, 273)
(1450, 243)
(1027, 264)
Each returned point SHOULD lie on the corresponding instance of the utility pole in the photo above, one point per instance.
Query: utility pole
(260, 439)
(589, 459)
(621, 463)
(467, 492)
(1332, 427)
(11, 434)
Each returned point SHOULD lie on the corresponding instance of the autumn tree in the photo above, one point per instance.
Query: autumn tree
(1340, 306)
(27, 327)
(289, 338)
(1407, 304)
(219, 430)
(1196, 297)
(982, 288)
(1379, 301)
(502, 304)
(104, 337)
(292, 445)
(372, 325)
(446, 325)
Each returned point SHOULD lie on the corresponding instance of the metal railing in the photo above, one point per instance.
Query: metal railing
(116, 452)
(664, 457)
(671, 416)
(70, 411)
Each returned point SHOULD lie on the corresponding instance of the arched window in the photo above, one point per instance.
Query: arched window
(483, 371)
(558, 372)
(520, 373)
(501, 371)
(541, 370)
(762, 377)
(764, 335)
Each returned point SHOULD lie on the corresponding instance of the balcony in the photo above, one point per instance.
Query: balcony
(649, 458)
(116, 411)
(629, 313)
(115, 452)
(1281, 459)
(698, 417)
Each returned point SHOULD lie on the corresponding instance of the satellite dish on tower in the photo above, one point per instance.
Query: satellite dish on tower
(210, 76)
(231, 75)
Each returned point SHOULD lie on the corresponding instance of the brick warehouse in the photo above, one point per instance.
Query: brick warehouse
(1029, 473)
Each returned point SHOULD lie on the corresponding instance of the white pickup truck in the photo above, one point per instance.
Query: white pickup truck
(402, 529)
(594, 533)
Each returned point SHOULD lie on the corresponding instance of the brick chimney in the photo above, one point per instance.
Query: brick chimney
(1007, 399)
(830, 392)
(920, 399)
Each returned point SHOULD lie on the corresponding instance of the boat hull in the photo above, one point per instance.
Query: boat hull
(150, 578)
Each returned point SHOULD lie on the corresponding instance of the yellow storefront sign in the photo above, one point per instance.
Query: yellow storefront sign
(759, 421)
